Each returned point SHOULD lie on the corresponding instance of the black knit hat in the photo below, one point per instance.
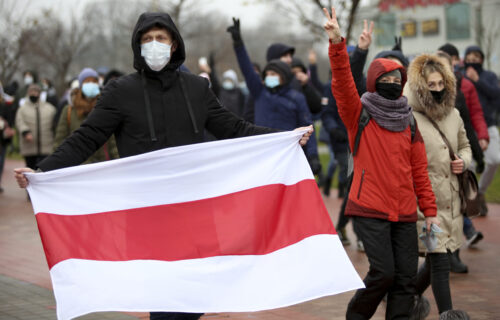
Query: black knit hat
(281, 68)
(450, 49)
(477, 49)
(296, 62)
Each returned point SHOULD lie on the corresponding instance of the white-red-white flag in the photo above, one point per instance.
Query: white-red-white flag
(227, 226)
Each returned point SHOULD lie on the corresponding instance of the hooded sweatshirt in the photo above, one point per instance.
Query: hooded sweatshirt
(389, 168)
(281, 107)
(121, 109)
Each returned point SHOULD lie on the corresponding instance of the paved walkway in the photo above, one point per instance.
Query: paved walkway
(25, 287)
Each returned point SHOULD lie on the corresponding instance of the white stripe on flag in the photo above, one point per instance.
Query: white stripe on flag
(315, 267)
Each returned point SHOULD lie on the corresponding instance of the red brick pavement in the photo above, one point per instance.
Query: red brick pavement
(478, 292)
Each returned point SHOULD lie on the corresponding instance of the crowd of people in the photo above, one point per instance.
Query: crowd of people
(388, 132)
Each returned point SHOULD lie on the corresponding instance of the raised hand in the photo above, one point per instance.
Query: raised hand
(365, 38)
(332, 26)
(234, 30)
(312, 56)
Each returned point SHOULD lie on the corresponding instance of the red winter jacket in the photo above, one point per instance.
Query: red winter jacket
(475, 109)
(390, 169)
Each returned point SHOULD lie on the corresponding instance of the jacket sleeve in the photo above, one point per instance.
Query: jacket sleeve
(62, 128)
(92, 134)
(305, 119)
(421, 181)
(214, 81)
(477, 153)
(313, 74)
(224, 124)
(463, 149)
(21, 125)
(475, 110)
(313, 98)
(249, 109)
(252, 79)
(488, 85)
(358, 61)
(344, 89)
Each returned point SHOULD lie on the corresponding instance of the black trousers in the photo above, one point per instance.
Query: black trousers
(392, 250)
(436, 272)
(174, 316)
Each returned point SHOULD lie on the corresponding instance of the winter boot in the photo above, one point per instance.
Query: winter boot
(326, 186)
(483, 208)
(343, 237)
(456, 265)
(474, 238)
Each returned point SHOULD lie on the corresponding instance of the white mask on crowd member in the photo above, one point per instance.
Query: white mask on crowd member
(28, 80)
(156, 54)
(228, 84)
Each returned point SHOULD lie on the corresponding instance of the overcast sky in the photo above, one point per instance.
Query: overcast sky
(248, 10)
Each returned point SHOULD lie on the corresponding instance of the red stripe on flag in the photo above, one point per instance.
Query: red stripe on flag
(250, 222)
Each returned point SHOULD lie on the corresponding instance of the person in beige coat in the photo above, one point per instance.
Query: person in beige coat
(431, 91)
(34, 122)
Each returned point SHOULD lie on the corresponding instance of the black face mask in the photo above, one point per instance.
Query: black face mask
(391, 91)
(438, 95)
(476, 66)
(34, 99)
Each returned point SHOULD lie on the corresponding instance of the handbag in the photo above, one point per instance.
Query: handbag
(467, 182)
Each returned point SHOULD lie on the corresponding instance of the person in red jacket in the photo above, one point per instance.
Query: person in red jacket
(390, 171)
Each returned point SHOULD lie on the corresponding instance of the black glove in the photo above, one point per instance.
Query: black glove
(234, 30)
(338, 135)
(315, 164)
(398, 44)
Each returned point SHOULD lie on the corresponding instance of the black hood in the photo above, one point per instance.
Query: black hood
(276, 50)
(281, 68)
(296, 62)
(145, 22)
(474, 49)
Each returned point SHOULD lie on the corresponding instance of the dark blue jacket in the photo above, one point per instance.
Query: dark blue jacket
(332, 123)
(488, 92)
(284, 109)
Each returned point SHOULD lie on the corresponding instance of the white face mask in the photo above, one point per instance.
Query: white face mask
(156, 54)
(28, 80)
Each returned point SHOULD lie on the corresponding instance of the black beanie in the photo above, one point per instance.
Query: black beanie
(296, 62)
(450, 49)
(281, 68)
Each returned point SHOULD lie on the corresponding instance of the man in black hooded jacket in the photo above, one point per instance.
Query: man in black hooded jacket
(154, 108)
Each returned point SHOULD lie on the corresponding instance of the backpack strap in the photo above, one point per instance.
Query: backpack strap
(363, 121)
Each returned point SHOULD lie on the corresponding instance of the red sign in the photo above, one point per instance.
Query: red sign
(385, 5)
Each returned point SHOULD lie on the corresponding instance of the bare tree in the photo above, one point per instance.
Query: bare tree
(309, 13)
(58, 44)
(14, 39)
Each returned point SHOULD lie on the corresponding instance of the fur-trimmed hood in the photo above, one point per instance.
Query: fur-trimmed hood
(82, 105)
(417, 90)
